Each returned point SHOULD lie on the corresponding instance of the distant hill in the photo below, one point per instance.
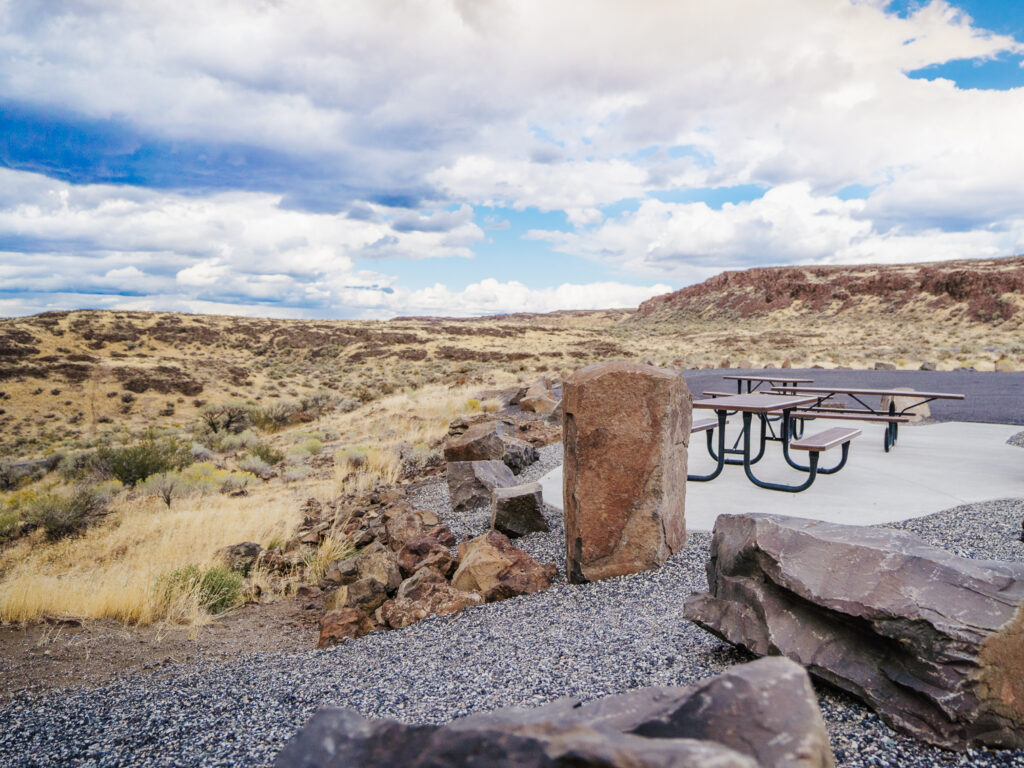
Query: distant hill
(977, 291)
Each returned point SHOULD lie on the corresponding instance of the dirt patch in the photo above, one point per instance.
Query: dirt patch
(48, 655)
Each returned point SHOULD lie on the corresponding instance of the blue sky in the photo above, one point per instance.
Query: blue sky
(380, 158)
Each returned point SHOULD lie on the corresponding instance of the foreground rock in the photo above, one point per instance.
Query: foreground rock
(933, 642)
(423, 594)
(626, 431)
(491, 566)
(518, 510)
(489, 441)
(346, 624)
(759, 714)
(470, 483)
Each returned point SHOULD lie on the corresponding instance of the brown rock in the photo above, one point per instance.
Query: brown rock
(349, 623)
(929, 366)
(479, 442)
(538, 398)
(490, 565)
(787, 363)
(425, 552)
(1004, 366)
(626, 432)
(342, 571)
(403, 524)
(241, 557)
(424, 593)
(883, 366)
(933, 642)
(443, 534)
(518, 510)
(724, 362)
(366, 595)
(919, 412)
(470, 483)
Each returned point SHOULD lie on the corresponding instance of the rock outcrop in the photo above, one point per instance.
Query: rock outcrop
(626, 431)
(518, 510)
(491, 566)
(933, 642)
(470, 483)
(759, 714)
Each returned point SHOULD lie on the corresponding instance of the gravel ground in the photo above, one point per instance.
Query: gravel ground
(586, 641)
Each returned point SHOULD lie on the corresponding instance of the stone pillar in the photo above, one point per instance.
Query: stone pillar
(625, 432)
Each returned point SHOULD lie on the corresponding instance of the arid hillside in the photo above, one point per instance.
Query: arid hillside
(69, 376)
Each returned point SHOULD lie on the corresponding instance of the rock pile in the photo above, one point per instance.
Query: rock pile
(933, 642)
(758, 714)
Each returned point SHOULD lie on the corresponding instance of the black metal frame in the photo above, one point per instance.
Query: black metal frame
(892, 429)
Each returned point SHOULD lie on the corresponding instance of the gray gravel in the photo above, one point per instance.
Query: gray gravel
(586, 641)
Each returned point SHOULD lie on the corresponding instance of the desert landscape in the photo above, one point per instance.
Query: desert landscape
(181, 491)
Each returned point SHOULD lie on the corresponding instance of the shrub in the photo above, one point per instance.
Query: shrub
(294, 474)
(256, 466)
(132, 464)
(266, 452)
(9, 524)
(307, 447)
(237, 481)
(215, 589)
(231, 443)
(65, 514)
(166, 486)
(200, 452)
(226, 417)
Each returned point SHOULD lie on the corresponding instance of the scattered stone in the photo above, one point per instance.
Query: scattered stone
(424, 593)
(933, 642)
(518, 510)
(787, 363)
(928, 366)
(403, 524)
(342, 571)
(626, 432)
(883, 366)
(490, 565)
(759, 714)
(479, 442)
(470, 483)
(518, 454)
(366, 595)
(724, 363)
(348, 623)
(1004, 366)
(426, 552)
(917, 413)
(538, 398)
(241, 557)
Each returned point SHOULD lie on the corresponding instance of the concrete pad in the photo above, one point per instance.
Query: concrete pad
(933, 467)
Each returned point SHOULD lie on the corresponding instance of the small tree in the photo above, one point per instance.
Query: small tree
(131, 464)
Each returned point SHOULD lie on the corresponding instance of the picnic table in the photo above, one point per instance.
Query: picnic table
(892, 416)
(766, 405)
(754, 383)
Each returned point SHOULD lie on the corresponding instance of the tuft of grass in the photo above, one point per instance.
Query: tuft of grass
(331, 549)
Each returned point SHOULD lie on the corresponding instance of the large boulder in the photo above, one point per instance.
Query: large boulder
(490, 565)
(518, 510)
(470, 483)
(424, 593)
(626, 431)
(762, 714)
(919, 412)
(241, 557)
(933, 642)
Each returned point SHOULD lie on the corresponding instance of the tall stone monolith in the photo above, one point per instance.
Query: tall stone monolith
(625, 432)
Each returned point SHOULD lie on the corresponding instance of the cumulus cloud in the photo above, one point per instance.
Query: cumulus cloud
(333, 134)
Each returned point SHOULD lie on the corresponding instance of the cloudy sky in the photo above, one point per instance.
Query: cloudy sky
(456, 157)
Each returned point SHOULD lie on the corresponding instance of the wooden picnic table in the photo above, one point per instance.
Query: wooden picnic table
(764, 405)
(892, 416)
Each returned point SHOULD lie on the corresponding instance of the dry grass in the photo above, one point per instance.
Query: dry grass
(112, 569)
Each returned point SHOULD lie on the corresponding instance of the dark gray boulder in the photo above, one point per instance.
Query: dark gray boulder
(470, 483)
(933, 642)
(729, 721)
(518, 510)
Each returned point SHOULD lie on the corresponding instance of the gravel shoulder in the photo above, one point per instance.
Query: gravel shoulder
(580, 640)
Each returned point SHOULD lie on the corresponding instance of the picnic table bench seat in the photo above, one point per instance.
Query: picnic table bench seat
(703, 425)
(849, 414)
(824, 441)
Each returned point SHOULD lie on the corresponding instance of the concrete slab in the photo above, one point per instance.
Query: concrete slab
(932, 468)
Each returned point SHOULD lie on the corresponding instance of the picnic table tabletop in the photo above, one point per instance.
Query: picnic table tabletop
(755, 402)
(785, 380)
(880, 392)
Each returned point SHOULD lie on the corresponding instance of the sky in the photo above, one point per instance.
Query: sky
(380, 158)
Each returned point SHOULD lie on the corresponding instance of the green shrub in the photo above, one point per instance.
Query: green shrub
(217, 589)
(65, 514)
(132, 464)
(267, 453)
(9, 524)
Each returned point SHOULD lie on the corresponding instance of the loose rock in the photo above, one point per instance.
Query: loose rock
(518, 510)
(470, 483)
(490, 565)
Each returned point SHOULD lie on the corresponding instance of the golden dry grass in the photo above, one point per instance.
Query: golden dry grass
(111, 570)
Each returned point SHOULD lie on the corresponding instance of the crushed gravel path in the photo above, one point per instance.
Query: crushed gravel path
(581, 640)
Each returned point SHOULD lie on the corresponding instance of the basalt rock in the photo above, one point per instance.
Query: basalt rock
(933, 642)
(403, 524)
(762, 714)
(424, 593)
(626, 431)
(241, 557)
(518, 510)
(490, 441)
(470, 483)
(348, 623)
(425, 552)
(490, 565)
